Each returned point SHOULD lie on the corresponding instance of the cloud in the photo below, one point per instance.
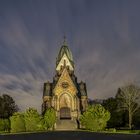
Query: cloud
(25, 89)
(104, 40)
(25, 64)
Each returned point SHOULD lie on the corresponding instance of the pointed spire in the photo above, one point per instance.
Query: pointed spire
(64, 50)
(64, 42)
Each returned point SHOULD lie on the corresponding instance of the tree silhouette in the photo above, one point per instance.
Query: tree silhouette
(7, 106)
(129, 97)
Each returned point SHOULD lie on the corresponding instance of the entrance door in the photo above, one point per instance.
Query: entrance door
(65, 113)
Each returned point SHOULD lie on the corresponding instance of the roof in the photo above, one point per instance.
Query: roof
(47, 89)
(65, 50)
(82, 89)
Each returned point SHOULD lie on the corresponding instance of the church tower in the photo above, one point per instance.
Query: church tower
(65, 94)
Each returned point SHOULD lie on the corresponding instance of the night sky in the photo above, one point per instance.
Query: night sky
(103, 35)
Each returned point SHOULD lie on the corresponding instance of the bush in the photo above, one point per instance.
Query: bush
(40, 125)
(17, 122)
(95, 118)
(4, 125)
(49, 118)
(33, 121)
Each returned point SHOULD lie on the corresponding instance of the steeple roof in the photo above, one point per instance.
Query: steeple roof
(65, 50)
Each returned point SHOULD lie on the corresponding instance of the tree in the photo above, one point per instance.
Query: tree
(7, 106)
(49, 118)
(128, 97)
(17, 122)
(95, 118)
(117, 116)
(32, 120)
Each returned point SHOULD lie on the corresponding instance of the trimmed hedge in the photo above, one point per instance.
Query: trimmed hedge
(33, 121)
(17, 122)
(95, 118)
(4, 125)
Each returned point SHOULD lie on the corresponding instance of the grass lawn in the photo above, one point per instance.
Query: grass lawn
(70, 135)
(113, 131)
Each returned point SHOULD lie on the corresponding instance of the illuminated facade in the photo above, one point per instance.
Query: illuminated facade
(65, 94)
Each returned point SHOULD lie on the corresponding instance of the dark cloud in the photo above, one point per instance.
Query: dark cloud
(103, 37)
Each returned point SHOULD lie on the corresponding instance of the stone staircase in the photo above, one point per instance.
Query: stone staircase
(66, 124)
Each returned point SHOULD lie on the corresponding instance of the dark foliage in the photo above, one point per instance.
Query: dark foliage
(118, 117)
(7, 106)
(96, 101)
(136, 120)
(128, 99)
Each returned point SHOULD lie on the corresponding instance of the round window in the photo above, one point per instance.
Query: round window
(65, 85)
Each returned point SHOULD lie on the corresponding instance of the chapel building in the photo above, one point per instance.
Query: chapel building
(65, 94)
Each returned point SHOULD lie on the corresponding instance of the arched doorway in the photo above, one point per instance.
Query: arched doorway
(65, 106)
(65, 113)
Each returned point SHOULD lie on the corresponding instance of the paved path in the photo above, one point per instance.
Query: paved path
(70, 135)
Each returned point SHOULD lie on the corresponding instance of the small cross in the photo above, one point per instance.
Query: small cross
(64, 38)
(64, 42)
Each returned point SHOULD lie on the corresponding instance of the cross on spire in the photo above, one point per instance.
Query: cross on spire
(65, 42)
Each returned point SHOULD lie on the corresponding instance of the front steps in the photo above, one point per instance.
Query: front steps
(66, 124)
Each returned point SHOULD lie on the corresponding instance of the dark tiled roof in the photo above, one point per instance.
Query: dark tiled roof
(82, 89)
(65, 50)
(47, 89)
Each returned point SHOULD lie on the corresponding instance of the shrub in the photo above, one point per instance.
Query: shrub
(17, 122)
(4, 125)
(95, 118)
(49, 118)
(40, 125)
(33, 121)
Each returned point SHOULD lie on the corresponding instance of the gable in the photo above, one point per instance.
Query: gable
(65, 84)
(61, 63)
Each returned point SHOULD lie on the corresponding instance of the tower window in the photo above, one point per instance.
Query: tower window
(64, 62)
